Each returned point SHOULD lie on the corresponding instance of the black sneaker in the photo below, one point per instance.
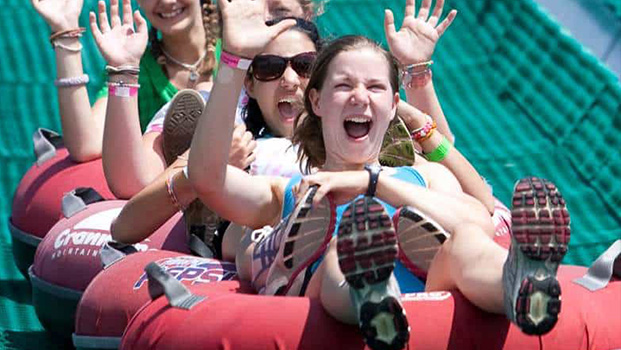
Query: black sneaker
(180, 121)
(367, 250)
(540, 234)
(179, 125)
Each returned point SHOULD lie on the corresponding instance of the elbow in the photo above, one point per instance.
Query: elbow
(121, 191)
(83, 154)
(118, 233)
(206, 184)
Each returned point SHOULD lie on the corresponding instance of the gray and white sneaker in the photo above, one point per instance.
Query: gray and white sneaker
(367, 250)
(540, 235)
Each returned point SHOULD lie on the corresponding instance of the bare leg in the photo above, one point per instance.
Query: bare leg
(333, 291)
(231, 241)
(472, 262)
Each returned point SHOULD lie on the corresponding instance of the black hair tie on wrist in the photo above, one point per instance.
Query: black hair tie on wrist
(374, 171)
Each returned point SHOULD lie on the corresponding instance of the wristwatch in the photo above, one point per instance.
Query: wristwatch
(374, 171)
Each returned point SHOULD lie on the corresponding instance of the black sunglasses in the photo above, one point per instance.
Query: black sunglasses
(272, 67)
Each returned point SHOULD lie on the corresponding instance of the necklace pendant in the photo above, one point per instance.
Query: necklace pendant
(193, 76)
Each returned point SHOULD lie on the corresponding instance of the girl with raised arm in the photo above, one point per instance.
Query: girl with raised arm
(275, 84)
(351, 97)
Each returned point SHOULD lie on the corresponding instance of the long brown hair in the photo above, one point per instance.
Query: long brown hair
(308, 132)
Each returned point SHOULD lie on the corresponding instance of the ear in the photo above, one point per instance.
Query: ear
(314, 99)
(395, 103)
(249, 85)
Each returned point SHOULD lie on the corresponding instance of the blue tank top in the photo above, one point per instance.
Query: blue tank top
(408, 283)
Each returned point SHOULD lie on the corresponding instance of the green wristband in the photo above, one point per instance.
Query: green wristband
(440, 152)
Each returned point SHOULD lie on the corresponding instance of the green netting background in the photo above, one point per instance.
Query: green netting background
(522, 96)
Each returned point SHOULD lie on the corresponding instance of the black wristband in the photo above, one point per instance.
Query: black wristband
(374, 171)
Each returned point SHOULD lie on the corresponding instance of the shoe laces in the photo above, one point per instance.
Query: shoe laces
(262, 233)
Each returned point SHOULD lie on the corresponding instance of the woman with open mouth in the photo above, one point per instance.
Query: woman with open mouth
(343, 226)
(275, 85)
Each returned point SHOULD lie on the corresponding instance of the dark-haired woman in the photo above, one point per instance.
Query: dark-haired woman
(339, 242)
(275, 86)
(131, 161)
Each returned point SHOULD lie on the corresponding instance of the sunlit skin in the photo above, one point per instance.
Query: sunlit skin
(357, 86)
(290, 86)
(172, 17)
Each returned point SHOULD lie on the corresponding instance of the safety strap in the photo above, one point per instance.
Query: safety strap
(199, 248)
(162, 283)
(602, 270)
(114, 251)
(75, 201)
(45, 142)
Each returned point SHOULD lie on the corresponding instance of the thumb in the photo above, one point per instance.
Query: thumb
(141, 23)
(281, 27)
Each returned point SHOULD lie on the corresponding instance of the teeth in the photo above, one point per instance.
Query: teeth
(288, 100)
(174, 13)
(357, 120)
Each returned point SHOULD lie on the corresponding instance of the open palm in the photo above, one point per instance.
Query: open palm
(416, 40)
(117, 40)
(59, 14)
(244, 30)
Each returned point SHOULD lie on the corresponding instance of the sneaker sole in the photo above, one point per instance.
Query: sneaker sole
(541, 231)
(420, 238)
(307, 234)
(180, 122)
(367, 249)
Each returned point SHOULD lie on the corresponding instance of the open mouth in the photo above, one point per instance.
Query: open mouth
(172, 13)
(289, 108)
(357, 127)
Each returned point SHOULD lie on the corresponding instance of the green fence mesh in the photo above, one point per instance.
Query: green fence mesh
(523, 98)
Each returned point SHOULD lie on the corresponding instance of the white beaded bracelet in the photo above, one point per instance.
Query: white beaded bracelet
(72, 81)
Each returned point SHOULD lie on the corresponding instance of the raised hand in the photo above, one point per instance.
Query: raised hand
(417, 38)
(117, 40)
(244, 31)
(59, 14)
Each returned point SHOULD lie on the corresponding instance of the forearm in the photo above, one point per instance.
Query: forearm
(212, 139)
(152, 207)
(471, 182)
(128, 162)
(446, 209)
(469, 178)
(425, 99)
(82, 128)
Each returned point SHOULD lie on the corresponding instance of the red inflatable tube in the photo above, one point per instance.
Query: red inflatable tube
(67, 259)
(101, 316)
(37, 199)
(441, 320)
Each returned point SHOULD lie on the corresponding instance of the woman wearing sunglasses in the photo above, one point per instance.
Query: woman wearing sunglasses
(339, 242)
(275, 85)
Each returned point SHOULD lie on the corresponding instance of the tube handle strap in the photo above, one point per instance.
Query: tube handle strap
(162, 283)
(601, 271)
